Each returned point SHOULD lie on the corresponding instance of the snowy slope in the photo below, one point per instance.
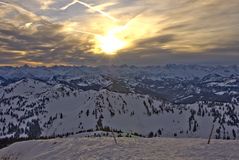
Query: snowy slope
(128, 148)
(170, 101)
(33, 108)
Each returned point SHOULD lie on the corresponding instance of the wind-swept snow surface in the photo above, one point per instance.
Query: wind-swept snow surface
(75, 148)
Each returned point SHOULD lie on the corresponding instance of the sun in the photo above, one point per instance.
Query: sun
(111, 43)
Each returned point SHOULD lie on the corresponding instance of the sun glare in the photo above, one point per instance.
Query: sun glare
(110, 44)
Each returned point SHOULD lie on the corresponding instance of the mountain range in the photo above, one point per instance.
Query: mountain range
(168, 101)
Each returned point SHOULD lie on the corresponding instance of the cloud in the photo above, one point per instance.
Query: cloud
(103, 6)
(45, 4)
(156, 31)
(96, 8)
(42, 42)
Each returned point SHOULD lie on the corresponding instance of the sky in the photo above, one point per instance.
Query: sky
(133, 32)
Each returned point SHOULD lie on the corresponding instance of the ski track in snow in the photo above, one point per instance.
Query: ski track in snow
(75, 148)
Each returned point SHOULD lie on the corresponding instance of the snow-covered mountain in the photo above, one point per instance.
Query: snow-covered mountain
(170, 101)
(175, 83)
